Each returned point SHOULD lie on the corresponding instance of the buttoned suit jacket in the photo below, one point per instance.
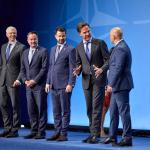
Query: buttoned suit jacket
(60, 72)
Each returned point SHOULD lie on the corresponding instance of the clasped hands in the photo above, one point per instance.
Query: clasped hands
(30, 83)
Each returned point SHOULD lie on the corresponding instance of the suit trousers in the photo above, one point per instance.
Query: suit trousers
(37, 109)
(10, 95)
(94, 103)
(119, 105)
(61, 110)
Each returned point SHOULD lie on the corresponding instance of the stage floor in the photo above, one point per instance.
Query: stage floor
(74, 143)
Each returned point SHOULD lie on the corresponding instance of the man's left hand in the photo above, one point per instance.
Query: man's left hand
(98, 71)
(16, 83)
(68, 88)
(31, 83)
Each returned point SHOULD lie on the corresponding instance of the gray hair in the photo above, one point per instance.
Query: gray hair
(10, 28)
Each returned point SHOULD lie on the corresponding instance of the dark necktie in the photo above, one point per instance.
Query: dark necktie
(57, 51)
(8, 51)
(87, 51)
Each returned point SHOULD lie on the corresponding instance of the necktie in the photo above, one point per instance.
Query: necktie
(31, 52)
(87, 51)
(57, 52)
(8, 51)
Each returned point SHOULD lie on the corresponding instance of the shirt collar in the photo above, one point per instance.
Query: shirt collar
(13, 43)
(32, 49)
(61, 45)
(84, 42)
(118, 42)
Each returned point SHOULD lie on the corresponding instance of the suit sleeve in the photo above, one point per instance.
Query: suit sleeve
(22, 73)
(21, 52)
(116, 66)
(43, 69)
(105, 54)
(72, 65)
(48, 81)
(78, 60)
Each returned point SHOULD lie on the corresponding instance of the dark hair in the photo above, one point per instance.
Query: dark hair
(81, 25)
(61, 29)
(32, 32)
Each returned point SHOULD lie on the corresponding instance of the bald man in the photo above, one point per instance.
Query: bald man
(120, 83)
(9, 82)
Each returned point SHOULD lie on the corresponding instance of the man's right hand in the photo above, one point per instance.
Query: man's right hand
(77, 71)
(48, 88)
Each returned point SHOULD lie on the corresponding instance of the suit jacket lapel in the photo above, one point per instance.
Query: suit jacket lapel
(13, 50)
(93, 48)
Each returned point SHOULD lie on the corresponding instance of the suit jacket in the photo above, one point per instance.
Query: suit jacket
(9, 70)
(99, 58)
(120, 77)
(60, 72)
(37, 69)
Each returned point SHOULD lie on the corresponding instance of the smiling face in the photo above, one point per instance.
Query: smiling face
(32, 40)
(85, 33)
(11, 34)
(60, 37)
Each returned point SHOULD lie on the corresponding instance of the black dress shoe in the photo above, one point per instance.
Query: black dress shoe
(39, 136)
(124, 142)
(12, 135)
(93, 140)
(62, 138)
(4, 133)
(110, 140)
(53, 137)
(30, 136)
(87, 139)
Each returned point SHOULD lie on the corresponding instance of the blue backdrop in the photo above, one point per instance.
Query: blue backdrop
(131, 15)
(134, 18)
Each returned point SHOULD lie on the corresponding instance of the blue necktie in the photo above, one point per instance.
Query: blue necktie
(87, 51)
(8, 51)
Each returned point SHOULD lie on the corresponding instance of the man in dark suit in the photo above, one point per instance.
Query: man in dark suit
(92, 61)
(120, 83)
(9, 82)
(61, 81)
(33, 73)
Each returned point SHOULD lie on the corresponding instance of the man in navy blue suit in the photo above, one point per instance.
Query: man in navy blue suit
(120, 83)
(60, 81)
(33, 73)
